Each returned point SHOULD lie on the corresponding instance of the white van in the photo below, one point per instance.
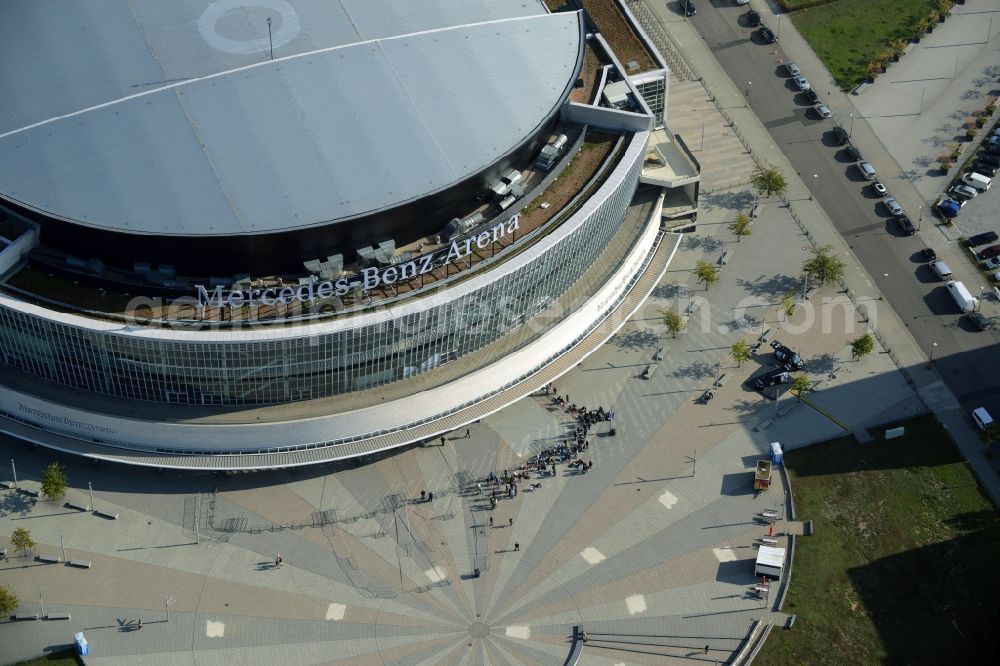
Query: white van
(981, 417)
(977, 180)
(941, 269)
(964, 300)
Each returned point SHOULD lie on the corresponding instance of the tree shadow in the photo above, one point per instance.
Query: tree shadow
(16, 503)
(736, 200)
(697, 370)
(668, 292)
(773, 287)
(970, 94)
(704, 243)
(636, 340)
(824, 364)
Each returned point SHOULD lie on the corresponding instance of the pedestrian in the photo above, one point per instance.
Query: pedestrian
(554, 388)
(517, 546)
(277, 561)
(423, 495)
(511, 521)
(442, 441)
(467, 433)
(706, 649)
(430, 497)
(491, 521)
(140, 623)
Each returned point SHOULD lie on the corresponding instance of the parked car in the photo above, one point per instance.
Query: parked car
(792, 69)
(963, 192)
(867, 170)
(766, 35)
(822, 110)
(879, 188)
(991, 251)
(979, 320)
(929, 254)
(986, 158)
(801, 82)
(788, 358)
(752, 18)
(905, 225)
(892, 206)
(771, 378)
(981, 239)
(853, 152)
(839, 133)
(687, 7)
(991, 149)
(950, 208)
(811, 97)
(985, 168)
(994, 140)
(993, 262)
(743, 2)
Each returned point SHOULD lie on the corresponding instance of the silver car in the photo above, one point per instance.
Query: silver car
(802, 83)
(867, 170)
(892, 205)
(822, 110)
(792, 69)
(963, 192)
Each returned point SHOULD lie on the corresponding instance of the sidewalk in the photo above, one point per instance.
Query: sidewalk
(890, 329)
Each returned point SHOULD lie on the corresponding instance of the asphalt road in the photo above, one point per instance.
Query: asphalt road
(967, 359)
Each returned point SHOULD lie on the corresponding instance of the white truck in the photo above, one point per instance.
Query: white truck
(966, 302)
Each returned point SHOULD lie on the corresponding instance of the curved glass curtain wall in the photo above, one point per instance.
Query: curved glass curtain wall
(303, 368)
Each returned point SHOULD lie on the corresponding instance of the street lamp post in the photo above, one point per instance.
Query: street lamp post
(747, 94)
(815, 177)
(850, 130)
(777, 36)
(933, 350)
(270, 42)
(881, 292)
(920, 216)
(13, 471)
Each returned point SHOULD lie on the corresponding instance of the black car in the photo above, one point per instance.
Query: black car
(687, 7)
(905, 225)
(766, 35)
(992, 150)
(929, 254)
(788, 358)
(982, 239)
(752, 18)
(840, 135)
(854, 153)
(771, 378)
(810, 96)
(992, 160)
(985, 168)
(979, 320)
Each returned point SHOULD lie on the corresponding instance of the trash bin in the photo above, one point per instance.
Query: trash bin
(612, 432)
(81, 644)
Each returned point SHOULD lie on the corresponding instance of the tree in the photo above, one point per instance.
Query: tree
(740, 352)
(707, 273)
(53, 481)
(824, 266)
(801, 385)
(8, 601)
(768, 180)
(991, 434)
(741, 227)
(21, 539)
(788, 304)
(862, 346)
(673, 320)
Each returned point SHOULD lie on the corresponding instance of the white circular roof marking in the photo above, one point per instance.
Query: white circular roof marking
(290, 26)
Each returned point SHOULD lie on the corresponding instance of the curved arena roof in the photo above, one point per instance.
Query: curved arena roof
(167, 118)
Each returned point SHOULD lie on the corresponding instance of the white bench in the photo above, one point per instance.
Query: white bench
(109, 516)
(58, 616)
(721, 381)
(19, 617)
(770, 541)
(83, 564)
(726, 256)
(77, 507)
(48, 559)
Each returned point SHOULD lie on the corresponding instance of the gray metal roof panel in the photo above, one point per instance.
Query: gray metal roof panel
(304, 140)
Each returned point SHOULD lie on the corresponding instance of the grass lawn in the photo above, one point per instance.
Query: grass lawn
(848, 34)
(61, 658)
(902, 566)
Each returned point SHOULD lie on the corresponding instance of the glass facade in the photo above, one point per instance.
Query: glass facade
(655, 94)
(253, 372)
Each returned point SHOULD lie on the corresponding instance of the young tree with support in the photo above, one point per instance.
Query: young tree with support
(801, 385)
(824, 266)
(768, 179)
(673, 320)
(862, 346)
(21, 539)
(740, 351)
(8, 601)
(54, 482)
(788, 304)
(707, 273)
(741, 226)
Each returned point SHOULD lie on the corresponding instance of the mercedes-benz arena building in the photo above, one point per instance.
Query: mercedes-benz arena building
(259, 233)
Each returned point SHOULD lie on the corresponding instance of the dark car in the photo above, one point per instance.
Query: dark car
(853, 152)
(752, 18)
(992, 149)
(985, 168)
(949, 208)
(979, 320)
(992, 160)
(905, 225)
(687, 7)
(982, 239)
(787, 357)
(839, 134)
(771, 378)
(991, 251)
(766, 35)
(929, 254)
